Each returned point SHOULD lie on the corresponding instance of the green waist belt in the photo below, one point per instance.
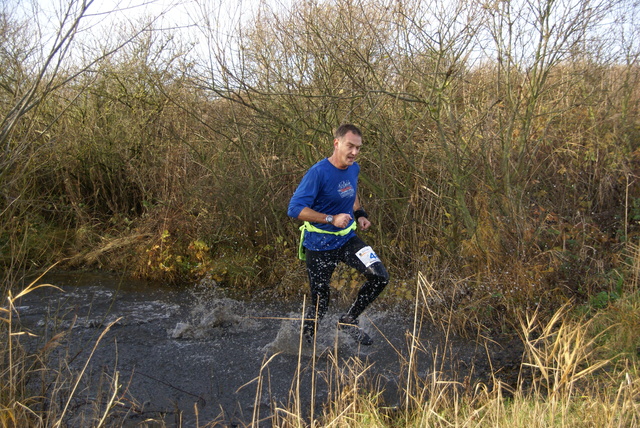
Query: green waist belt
(306, 226)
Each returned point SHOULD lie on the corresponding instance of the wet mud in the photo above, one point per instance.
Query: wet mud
(193, 355)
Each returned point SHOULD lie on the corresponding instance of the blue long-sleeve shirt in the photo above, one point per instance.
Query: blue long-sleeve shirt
(328, 190)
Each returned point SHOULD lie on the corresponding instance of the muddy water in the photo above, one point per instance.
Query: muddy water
(193, 355)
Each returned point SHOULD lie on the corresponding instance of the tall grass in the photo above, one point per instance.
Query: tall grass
(578, 368)
(36, 389)
(575, 371)
(509, 182)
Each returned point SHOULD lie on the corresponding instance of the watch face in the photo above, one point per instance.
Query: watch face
(329, 219)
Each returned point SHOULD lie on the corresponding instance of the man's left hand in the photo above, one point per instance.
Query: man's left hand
(364, 223)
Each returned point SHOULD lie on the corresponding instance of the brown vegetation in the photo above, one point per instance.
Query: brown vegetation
(500, 169)
(501, 157)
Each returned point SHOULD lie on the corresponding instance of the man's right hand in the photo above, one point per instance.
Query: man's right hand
(341, 220)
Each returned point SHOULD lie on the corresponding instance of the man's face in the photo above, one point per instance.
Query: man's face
(346, 149)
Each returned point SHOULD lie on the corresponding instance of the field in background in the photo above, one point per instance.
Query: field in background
(500, 166)
(500, 160)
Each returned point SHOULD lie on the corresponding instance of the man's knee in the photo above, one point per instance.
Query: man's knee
(377, 272)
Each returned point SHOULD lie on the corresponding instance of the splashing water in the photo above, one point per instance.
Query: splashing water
(184, 347)
(211, 318)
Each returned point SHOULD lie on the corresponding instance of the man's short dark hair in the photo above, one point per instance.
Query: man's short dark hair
(342, 130)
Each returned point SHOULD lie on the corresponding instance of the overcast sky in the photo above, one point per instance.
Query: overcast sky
(107, 22)
(175, 14)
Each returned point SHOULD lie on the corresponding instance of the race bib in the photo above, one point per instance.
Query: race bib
(367, 256)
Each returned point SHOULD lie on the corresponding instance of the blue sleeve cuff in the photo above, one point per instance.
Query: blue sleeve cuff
(294, 211)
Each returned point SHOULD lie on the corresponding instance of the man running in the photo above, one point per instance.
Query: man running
(326, 200)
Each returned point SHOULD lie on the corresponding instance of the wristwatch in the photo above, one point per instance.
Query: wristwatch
(329, 219)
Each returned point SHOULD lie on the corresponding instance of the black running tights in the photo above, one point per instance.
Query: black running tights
(320, 267)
